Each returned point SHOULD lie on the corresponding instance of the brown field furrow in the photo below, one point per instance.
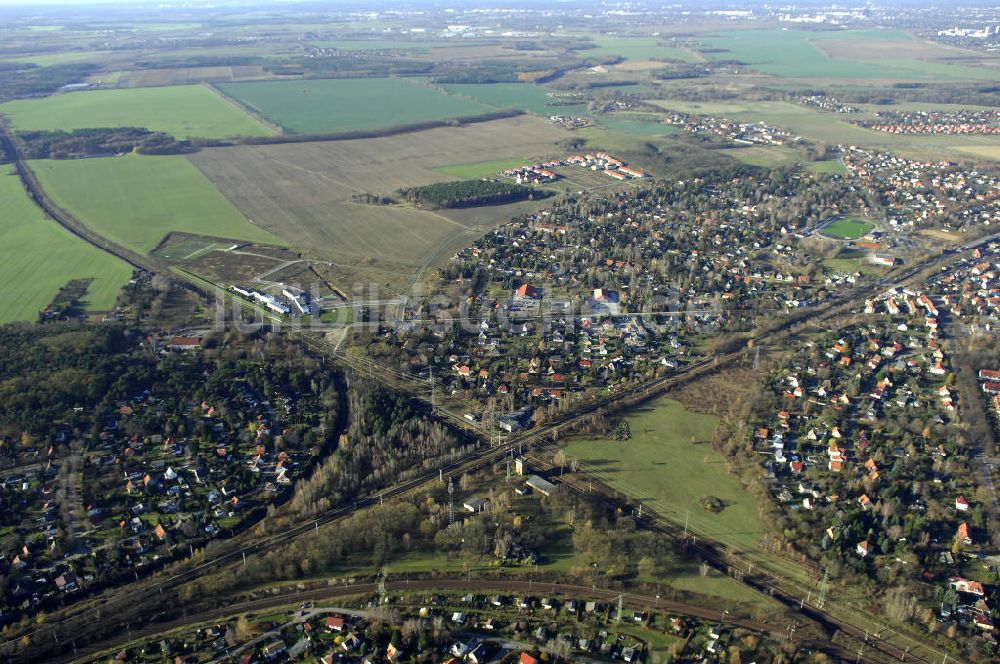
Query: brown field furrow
(303, 192)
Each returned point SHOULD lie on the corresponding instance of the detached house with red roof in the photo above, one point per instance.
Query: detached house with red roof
(963, 534)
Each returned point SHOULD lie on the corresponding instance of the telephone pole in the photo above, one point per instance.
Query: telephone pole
(822, 588)
(431, 379)
(451, 503)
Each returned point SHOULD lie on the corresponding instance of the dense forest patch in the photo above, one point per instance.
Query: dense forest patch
(469, 193)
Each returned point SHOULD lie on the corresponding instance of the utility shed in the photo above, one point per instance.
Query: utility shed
(543, 487)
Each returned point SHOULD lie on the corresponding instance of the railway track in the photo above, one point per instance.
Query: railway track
(478, 586)
(833, 307)
(740, 568)
(77, 624)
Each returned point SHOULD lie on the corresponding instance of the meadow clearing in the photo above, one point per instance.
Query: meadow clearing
(852, 260)
(137, 200)
(830, 166)
(669, 464)
(304, 192)
(619, 141)
(40, 257)
(638, 124)
(326, 106)
(767, 156)
(185, 111)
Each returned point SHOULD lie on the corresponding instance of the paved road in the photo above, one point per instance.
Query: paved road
(81, 622)
(298, 617)
(644, 391)
(984, 466)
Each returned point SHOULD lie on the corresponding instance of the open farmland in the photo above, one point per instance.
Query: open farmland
(136, 200)
(58, 58)
(342, 105)
(638, 48)
(669, 464)
(522, 96)
(304, 192)
(138, 78)
(481, 169)
(832, 128)
(40, 257)
(382, 44)
(798, 54)
(188, 111)
(870, 45)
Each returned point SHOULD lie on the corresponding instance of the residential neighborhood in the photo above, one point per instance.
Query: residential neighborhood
(163, 467)
(456, 629)
(967, 122)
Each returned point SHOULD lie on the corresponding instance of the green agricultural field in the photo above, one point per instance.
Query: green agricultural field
(59, 58)
(638, 124)
(481, 169)
(848, 228)
(669, 464)
(323, 106)
(387, 44)
(706, 107)
(136, 200)
(991, 152)
(835, 128)
(796, 54)
(638, 48)
(526, 97)
(219, 53)
(40, 257)
(184, 111)
(639, 89)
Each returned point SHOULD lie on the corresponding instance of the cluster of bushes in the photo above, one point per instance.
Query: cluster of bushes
(92, 142)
